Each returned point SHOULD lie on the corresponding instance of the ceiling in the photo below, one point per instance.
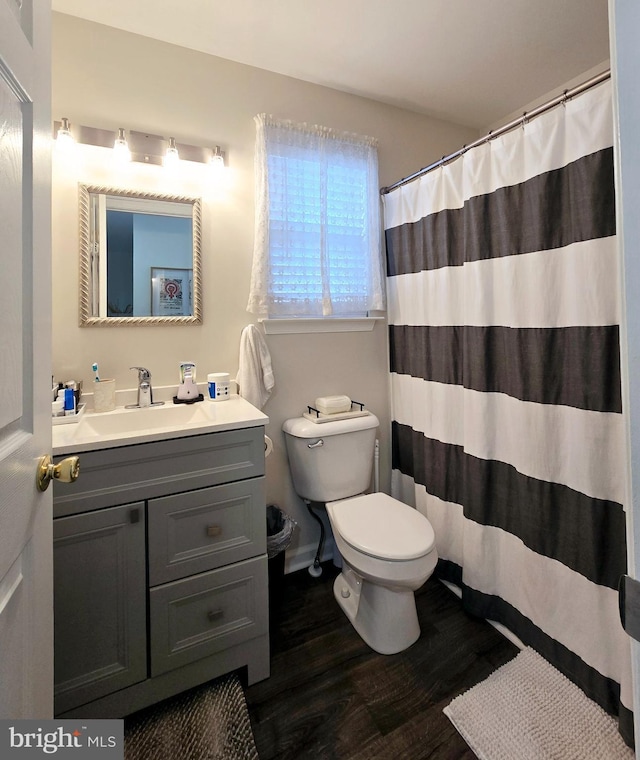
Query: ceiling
(468, 61)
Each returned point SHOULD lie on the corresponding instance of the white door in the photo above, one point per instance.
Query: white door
(624, 23)
(26, 596)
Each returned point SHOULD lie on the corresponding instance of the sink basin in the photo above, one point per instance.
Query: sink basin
(123, 427)
(122, 421)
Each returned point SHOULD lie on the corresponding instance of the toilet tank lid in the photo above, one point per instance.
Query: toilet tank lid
(301, 427)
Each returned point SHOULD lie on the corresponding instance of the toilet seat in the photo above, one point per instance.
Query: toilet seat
(382, 527)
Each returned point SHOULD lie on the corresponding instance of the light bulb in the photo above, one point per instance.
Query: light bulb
(217, 160)
(171, 157)
(121, 148)
(64, 138)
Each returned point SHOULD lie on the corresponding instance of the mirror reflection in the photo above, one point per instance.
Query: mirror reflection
(140, 257)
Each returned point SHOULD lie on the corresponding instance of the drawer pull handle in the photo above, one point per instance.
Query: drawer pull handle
(214, 530)
(215, 614)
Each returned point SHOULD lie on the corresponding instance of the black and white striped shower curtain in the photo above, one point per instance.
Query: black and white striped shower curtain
(504, 310)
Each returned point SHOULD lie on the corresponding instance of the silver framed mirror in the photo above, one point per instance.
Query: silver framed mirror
(140, 259)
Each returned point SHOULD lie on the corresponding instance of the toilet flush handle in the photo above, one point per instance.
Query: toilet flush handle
(317, 444)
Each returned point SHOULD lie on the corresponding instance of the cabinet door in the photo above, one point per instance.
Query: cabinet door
(99, 603)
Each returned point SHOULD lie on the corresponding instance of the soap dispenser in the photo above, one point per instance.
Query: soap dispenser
(188, 390)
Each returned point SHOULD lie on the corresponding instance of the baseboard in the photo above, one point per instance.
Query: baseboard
(303, 556)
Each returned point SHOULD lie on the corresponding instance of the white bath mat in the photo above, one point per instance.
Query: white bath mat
(527, 710)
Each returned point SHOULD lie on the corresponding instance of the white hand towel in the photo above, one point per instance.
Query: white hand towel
(255, 375)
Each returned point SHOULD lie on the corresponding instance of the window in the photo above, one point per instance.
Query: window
(317, 247)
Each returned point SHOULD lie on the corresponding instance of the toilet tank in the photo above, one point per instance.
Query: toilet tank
(330, 460)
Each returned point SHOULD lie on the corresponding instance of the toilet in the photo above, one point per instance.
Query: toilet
(387, 548)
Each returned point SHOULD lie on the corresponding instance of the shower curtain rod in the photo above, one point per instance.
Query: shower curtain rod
(566, 95)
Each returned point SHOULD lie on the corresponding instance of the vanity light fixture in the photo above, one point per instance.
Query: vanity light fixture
(121, 148)
(64, 138)
(171, 157)
(144, 147)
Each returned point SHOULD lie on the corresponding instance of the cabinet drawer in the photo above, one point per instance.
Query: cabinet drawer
(147, 470)
(206, 614)
(201, 530)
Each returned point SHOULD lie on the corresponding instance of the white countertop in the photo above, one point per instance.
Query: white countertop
(123, 427)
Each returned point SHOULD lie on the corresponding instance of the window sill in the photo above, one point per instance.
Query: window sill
(319, 325)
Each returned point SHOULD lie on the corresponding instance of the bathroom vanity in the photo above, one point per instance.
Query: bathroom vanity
(160, 566)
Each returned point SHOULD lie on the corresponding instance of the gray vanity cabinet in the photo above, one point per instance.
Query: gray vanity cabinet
(169, 590)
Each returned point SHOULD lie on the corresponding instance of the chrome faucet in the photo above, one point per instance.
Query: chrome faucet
(145, 391)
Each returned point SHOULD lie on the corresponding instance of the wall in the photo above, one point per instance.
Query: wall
(528, 107)
(106, 78)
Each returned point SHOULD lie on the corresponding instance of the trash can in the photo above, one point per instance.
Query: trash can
(279, 531)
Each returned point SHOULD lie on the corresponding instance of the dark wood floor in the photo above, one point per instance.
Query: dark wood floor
(330, 696)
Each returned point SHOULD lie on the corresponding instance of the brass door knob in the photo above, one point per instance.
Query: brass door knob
(66, 471)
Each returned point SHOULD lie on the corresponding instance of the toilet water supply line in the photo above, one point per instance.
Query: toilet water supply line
(316, 569)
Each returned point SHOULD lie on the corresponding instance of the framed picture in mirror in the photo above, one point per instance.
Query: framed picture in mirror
(171, 292)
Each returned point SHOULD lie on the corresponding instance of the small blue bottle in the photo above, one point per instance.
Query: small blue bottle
(69, 402)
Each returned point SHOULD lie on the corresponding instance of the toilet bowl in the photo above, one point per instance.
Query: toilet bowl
(388, 552)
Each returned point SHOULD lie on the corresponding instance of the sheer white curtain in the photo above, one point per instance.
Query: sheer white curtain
(317, 250)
